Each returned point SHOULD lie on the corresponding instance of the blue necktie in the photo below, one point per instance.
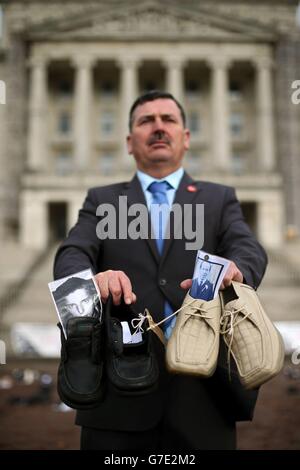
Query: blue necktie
(159, 215)
(159, 220)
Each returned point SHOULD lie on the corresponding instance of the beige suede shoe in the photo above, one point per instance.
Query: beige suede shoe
(250, 336)
(194, 343)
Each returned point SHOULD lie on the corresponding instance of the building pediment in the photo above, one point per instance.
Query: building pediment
(149, 20)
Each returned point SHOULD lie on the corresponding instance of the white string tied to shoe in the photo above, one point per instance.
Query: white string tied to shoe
(228, 322)
(202, 313)
(137, 323)
(155, 327)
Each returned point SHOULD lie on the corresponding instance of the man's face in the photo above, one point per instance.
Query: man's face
(79, 303)
(158, 138)
(204, 272)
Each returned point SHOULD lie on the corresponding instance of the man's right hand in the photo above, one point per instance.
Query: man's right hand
(117, 284)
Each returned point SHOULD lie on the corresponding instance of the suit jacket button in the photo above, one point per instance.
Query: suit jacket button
(162, 282)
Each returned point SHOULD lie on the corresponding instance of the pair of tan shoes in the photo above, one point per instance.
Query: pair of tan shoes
(237, 315)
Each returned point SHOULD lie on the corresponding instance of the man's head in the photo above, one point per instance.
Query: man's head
(152, 96)
(76, 296)
(204, 270)
(158, 138)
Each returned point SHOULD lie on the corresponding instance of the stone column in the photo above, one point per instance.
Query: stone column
(82, 112)
(129, 91)
(265, 118)
(220, 114)
(37, 132)
(175, 79)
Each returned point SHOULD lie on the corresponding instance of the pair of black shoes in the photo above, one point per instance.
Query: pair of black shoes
(94, 353)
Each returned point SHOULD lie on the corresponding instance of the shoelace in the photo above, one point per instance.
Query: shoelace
(228, 322)
(136, 323)
(201, 312)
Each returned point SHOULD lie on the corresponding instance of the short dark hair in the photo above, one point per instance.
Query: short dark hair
(152, 96)
(205, 261)
(72, 284)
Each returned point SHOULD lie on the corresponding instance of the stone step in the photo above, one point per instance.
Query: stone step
(281, 303)
(34, 303)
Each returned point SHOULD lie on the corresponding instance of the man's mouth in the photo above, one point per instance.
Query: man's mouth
(158, 139)
(159, 143)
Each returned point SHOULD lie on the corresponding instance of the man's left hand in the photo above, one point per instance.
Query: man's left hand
(232, 274)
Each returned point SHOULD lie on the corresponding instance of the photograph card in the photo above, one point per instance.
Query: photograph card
(76, 296)
(208, 275)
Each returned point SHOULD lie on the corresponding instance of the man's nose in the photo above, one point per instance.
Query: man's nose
(158, 125)
(80, 309)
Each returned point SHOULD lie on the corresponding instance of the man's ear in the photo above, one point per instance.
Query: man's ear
(187, 138)
(129, 144)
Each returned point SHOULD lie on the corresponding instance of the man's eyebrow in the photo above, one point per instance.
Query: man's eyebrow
(169, 115)
(152, 116)
(145, 116)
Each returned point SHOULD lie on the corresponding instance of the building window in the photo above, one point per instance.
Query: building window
(236, 124)
(63, 164)
(193, 119)
(235, 90)
(107, 163)
(150, 85)
(107, 123)
(65, 88)
(238, 163)
(64, 123)
(107, 89)
(192, 88)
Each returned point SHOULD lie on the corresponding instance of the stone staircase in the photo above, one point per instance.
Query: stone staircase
(32, 303)
(35, 303)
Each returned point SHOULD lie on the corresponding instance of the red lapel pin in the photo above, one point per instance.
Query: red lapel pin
(191, 188)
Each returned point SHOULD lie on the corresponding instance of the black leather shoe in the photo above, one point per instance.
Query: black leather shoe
(80, 373)
(131, 368)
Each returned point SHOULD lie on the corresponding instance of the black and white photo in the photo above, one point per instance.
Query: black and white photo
(76, 296)
(208, 275)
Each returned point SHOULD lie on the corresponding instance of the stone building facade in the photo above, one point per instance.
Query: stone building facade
(72, 70)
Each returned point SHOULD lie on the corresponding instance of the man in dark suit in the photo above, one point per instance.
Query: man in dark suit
(202, 288)
(184, 412)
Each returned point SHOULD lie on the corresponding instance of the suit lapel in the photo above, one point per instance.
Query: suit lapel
(134, 193)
